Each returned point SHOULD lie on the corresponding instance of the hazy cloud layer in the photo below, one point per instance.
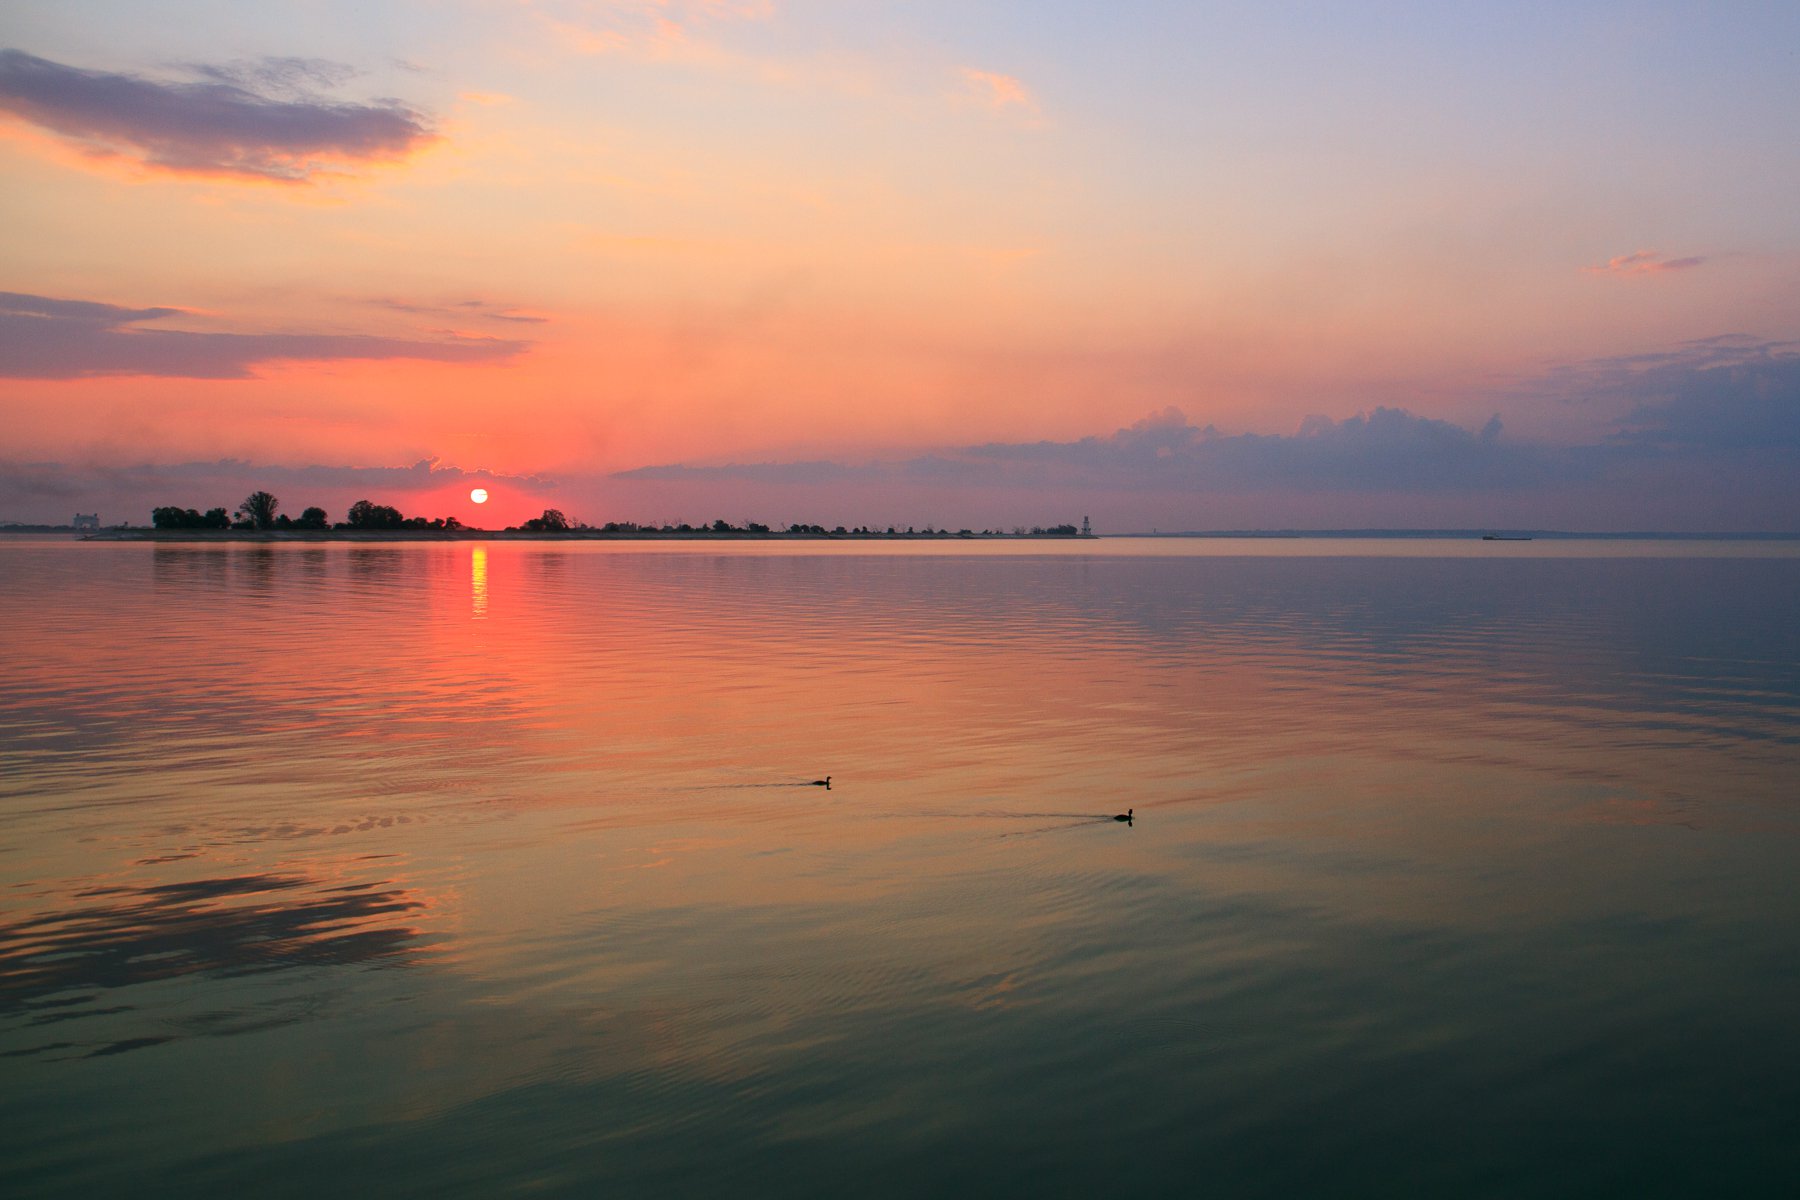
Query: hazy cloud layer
(1700, 408)
(277, 76)
(24, 305)
(262, 120)
(1706, 436)
(1732, 392)
(41, 490)
(43, 337)
(485, 310)
(658, 29)
(1741, 408)
(1384, 450)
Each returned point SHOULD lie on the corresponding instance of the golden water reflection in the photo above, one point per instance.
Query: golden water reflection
(478, 582)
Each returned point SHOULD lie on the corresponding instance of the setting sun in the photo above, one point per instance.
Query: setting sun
(478, 495)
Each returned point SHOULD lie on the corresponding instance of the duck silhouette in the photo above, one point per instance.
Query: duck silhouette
(1125, 816)
(824, 783)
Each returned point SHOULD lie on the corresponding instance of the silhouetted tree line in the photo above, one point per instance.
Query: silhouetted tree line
(367, 516)
(261, 510)
(552, 521)
(756, 527)
(172, 517)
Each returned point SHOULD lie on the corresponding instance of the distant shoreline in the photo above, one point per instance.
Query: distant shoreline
(136, 534)
(1465, 534)
(522, 535)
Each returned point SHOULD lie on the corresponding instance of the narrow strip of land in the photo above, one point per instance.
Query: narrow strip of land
(564, 535)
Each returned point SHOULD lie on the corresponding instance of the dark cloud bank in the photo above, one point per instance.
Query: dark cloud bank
(1725, 393)
(42, 337)
(1388, 449)
(263, 120)
(1714, 425)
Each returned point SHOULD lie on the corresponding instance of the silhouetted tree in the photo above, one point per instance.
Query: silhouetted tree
(365, 514)
(258, 510)
(552, 521)
(171, 517)
(313, 518)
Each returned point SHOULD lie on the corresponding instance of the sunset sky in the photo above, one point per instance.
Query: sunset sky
(1174, 265)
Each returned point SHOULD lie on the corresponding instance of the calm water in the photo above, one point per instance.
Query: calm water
(435, 870)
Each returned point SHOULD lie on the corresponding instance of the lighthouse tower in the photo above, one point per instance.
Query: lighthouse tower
(1086, 529)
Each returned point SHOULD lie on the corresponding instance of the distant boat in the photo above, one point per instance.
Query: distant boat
(1504, 537)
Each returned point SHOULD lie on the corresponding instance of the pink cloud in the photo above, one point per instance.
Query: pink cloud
(1643, 262)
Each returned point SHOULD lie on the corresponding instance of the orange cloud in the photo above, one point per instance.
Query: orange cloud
(656, 29)
(997, 91)
(1643, 262)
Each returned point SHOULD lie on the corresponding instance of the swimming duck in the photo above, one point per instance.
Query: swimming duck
(824, 783)
(1125, 816)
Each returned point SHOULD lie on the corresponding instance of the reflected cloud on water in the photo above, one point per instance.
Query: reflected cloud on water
(93, 958)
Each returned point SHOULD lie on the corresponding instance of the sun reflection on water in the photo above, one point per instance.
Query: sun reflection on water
(478, 583)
